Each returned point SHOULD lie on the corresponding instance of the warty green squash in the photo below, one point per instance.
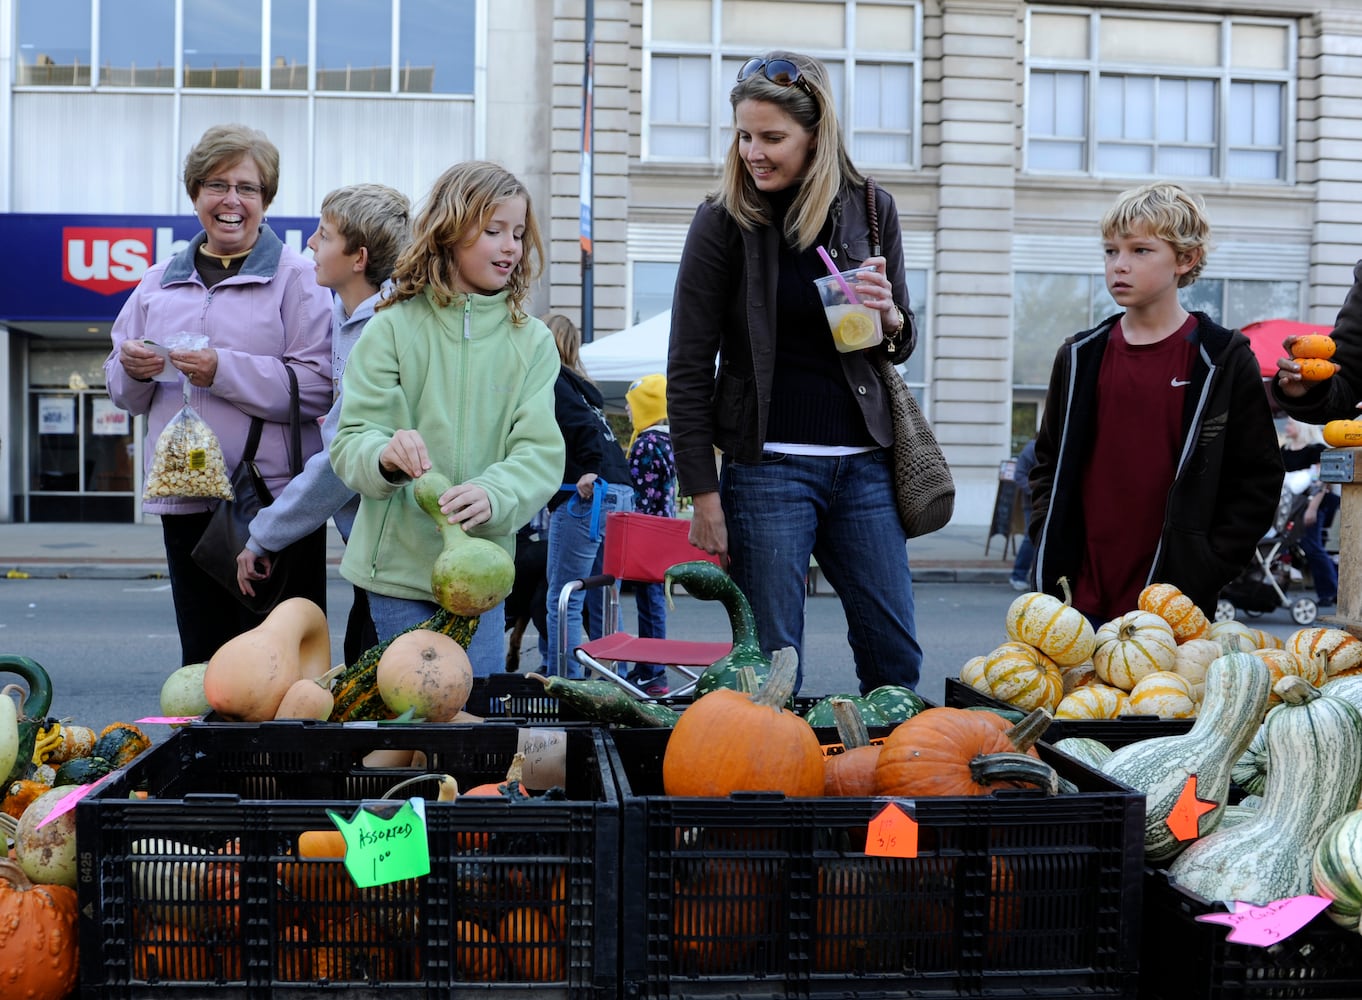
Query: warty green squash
(1314, 774)
(1235, 697)
(707, 582)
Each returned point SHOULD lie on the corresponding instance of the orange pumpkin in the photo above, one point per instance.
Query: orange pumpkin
(720, 906)
(476, 954)
(37, 936)
(935, 751)
(534, 948)
(848, 911)
(730, 741)
(176, 953)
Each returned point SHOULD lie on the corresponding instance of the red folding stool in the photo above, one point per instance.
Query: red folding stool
(640, 548)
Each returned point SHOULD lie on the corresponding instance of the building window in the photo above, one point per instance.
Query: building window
(872, 51)
(1049, 307)
(358, 46)
(288, 45)
(349, 58)
(653, 283)
(435, 47)
(222, 44)
(1158, 95)
(52, 43)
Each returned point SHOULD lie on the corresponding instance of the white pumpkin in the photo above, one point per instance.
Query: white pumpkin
(1131, 646)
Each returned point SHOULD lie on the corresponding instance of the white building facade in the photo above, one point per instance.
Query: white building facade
(1003, 128)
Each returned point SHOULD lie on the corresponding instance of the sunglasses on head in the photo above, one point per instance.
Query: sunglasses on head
(782, 72)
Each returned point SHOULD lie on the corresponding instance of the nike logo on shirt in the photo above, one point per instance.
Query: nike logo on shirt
(1178, 383)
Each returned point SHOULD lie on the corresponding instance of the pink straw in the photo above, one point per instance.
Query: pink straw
(832, 270)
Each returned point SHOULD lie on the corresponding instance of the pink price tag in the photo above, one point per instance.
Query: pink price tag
(1266, 925)
(68, 802)
(168, 720)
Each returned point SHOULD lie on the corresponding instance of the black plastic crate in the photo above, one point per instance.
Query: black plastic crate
(514, 696)
(521, 896)
(1185, 959)
(1012, 895)
(1115, 733)
(519, 697)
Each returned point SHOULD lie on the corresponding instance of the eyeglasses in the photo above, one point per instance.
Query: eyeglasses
(220, 188)
(782, 72)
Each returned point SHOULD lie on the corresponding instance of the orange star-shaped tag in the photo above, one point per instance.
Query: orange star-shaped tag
(1185, 819)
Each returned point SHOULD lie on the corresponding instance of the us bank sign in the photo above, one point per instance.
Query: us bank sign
(82, 267)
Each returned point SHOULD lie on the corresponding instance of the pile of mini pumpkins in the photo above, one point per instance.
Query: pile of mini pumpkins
(1149, 661)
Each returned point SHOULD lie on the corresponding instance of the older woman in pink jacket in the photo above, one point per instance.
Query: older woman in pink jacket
(257, 305)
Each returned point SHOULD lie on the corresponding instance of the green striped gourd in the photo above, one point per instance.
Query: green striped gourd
(1336, 869)
(1235, 697)
(1250, 773)
(1091, 752)
(1314, 746)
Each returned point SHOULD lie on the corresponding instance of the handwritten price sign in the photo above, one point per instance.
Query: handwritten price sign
(1266, 925)
(892, 834)
(380, 850)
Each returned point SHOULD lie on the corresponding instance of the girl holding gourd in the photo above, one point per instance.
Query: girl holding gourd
(451, 375)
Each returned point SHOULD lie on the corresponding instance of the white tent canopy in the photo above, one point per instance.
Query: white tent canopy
(631, 353)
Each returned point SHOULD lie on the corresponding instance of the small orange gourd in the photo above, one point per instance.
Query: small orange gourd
(1313, 345)
(1343, 433)
(1316, 369)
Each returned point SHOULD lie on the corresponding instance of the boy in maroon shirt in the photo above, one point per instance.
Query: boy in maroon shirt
(1157, 458)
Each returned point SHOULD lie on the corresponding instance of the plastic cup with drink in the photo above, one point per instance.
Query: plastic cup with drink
(854, 325)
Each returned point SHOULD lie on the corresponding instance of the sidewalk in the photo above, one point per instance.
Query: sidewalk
(134, 551)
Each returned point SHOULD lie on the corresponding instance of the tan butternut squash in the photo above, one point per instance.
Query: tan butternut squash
(248, 676)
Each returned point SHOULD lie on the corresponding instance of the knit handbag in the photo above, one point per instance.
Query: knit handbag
(923, 489)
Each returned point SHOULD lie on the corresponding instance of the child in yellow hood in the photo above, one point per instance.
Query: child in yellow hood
(652, 470)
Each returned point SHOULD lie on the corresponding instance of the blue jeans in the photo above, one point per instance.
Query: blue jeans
(1322, 570)
(487, 651)
(574, 555)
(652, 624)
(1026, 555)
(841, 510)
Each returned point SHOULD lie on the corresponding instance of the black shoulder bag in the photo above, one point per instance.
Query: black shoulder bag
(230, 526)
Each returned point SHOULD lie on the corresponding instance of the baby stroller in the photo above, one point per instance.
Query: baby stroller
(1264, 584)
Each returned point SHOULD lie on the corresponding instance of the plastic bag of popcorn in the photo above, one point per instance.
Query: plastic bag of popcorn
(188, 461)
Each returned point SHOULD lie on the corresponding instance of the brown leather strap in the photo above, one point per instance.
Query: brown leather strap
(872, 216)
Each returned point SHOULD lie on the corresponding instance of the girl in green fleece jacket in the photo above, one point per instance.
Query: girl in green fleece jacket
(453, 375)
